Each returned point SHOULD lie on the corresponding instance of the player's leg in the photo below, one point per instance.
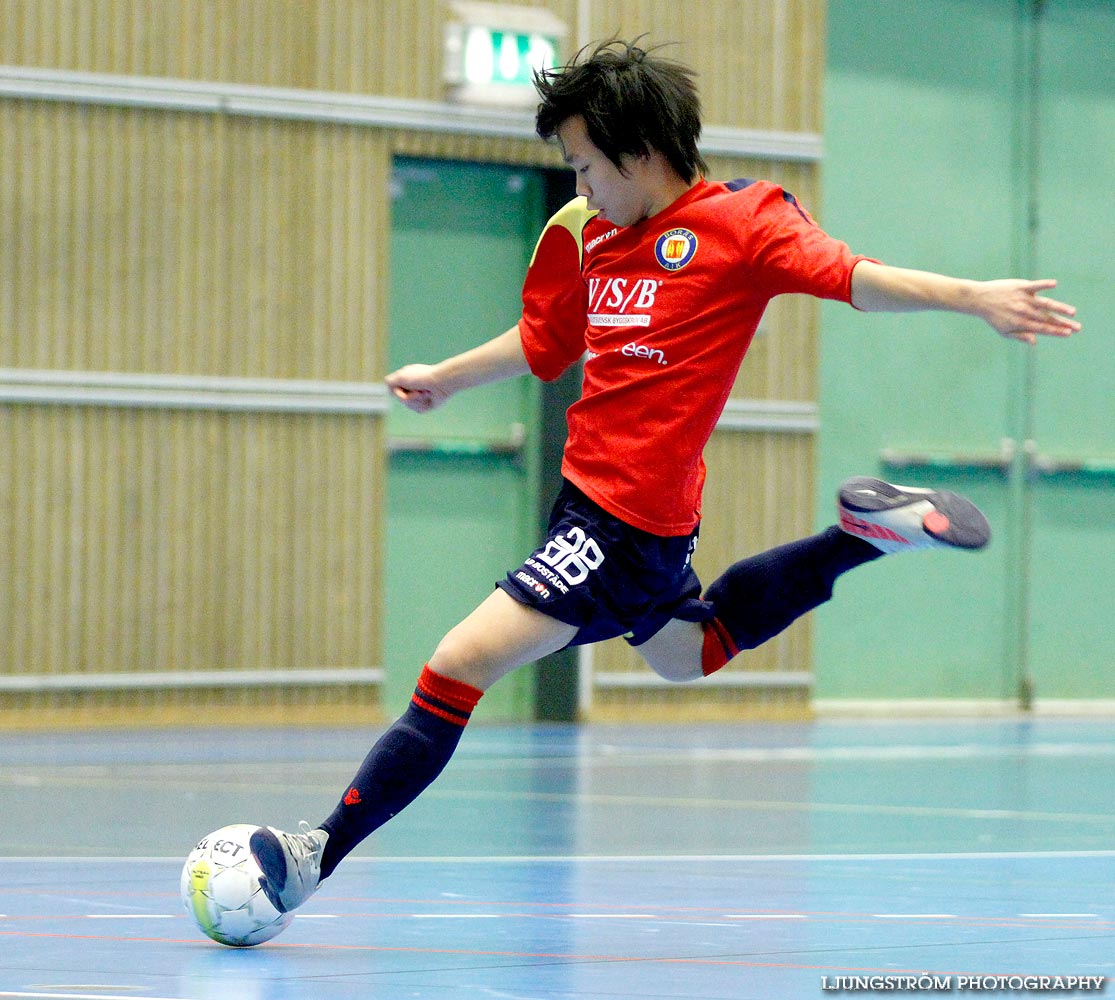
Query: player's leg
(500, 635)
(758, 597)
(754, 600)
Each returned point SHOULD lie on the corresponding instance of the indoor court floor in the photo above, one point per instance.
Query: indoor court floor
(744, 862)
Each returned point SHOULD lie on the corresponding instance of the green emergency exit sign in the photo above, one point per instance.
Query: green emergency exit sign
(495, 62)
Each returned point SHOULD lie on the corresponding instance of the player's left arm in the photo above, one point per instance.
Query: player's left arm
(1017, 308)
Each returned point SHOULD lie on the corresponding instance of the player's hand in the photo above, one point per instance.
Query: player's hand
(1018, 309)
(417, 387)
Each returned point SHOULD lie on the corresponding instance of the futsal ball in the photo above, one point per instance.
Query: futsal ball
(221, 890)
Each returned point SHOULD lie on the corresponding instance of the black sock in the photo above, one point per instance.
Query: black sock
(403, 762)
(758, 597)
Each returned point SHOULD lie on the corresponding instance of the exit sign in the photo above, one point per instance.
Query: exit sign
(493, 50)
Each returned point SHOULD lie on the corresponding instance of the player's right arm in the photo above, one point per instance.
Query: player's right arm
(548, 338)
(423, 387)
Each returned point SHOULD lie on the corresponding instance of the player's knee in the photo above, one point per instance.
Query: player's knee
(676, 671)
(674, 651)
(462, 658)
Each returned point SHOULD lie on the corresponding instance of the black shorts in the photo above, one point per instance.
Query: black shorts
(606, 577)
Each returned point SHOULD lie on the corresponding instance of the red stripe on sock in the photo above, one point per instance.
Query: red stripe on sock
(452, 693)
(718, 647)
(457, 720)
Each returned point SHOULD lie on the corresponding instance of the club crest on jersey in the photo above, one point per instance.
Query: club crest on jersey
(675, 249)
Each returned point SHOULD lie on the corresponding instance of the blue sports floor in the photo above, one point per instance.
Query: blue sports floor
(752, 862)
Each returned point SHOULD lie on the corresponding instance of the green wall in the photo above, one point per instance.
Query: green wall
(974, 137)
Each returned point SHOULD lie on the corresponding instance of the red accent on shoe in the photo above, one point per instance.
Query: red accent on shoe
(865, 529)
(935, 522)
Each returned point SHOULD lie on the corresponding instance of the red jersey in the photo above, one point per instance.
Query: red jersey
(663, 312)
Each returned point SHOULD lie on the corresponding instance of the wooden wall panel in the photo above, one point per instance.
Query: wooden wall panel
(761, 62)
(203, 244)
(160, 541)
(248, 707)
(391, 47)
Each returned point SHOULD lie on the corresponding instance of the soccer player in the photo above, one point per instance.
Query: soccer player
(658, 278)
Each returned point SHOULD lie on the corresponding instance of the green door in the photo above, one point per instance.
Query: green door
(1071, 606)
(949, 131)
(462, 484)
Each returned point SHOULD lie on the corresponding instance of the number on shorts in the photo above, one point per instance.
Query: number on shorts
(574, 555)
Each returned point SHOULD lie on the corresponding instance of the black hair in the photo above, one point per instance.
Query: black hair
(632, 102)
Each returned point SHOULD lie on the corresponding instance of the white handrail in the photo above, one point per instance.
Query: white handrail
(190, 392)
(373, 110)
(147, 680)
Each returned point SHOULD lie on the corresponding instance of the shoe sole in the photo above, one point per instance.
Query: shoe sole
(271, 858)
(954, 520)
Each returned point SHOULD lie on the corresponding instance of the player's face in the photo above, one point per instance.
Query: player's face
(620, 196)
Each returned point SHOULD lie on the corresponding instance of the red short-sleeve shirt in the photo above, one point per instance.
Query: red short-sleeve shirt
(663, 312)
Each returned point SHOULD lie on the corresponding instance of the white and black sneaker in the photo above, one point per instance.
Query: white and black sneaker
(903, 518)
(290, 862)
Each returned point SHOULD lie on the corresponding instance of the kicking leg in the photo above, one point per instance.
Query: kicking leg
(752, 601)
(757, 598)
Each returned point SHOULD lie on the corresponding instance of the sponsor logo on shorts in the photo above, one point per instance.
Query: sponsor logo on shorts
(573, 555)
(548, 575)
(539, 588)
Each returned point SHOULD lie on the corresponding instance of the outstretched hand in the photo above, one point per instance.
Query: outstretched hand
(422, 388)
(1016, 308)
